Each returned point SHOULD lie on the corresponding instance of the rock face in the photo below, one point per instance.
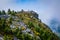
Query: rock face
(1, 37)
(24, 26)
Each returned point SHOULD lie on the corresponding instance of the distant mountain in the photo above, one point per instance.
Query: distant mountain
(55, 26)
(24, 25)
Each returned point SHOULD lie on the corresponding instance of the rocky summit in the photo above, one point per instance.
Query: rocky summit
(24, 25)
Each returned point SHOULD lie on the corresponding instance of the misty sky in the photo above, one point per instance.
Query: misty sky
(47, 9)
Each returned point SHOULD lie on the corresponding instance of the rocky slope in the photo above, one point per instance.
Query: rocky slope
(24, 25)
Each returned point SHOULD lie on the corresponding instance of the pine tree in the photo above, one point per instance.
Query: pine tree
(0, 12)
(9, 11)
(3, 12)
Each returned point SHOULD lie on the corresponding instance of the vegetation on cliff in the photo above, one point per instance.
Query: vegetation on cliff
(23, 25)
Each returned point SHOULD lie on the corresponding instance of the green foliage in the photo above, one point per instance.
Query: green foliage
(13, 13)
(3, 12)
(2, 24)
(30, 24)
(9, 11)
(0, 13)
(8, 37)
(10, 20)
(38, 30)
(27, 36)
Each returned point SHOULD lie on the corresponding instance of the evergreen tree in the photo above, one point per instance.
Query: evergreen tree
(13, 13)
(22, 10)
(3, 12)
(0, 12)
(9, 11)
